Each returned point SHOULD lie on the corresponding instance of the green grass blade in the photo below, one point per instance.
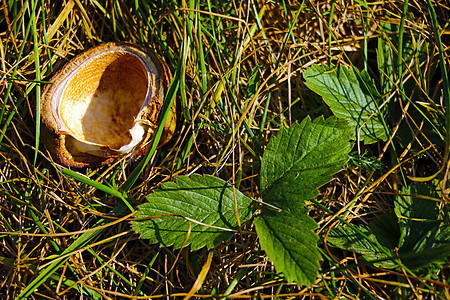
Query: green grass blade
(401, 32)
(145, 273)
(277, 64)
(79, 243)
(446, 84)
(8, 90)
(168, 101)
(86, 180)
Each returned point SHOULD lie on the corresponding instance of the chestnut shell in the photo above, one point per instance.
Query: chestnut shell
(104, 104)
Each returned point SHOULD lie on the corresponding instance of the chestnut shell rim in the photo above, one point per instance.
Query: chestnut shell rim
(55, 136)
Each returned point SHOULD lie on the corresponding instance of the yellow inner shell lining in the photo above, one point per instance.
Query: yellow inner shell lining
(103, 97)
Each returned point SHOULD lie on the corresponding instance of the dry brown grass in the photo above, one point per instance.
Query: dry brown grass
(37, 201)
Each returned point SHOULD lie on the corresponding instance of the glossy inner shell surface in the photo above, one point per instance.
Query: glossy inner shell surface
(103, 97)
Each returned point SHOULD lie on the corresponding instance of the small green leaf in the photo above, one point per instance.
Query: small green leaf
(302, 158)
(415, 231)
(205, 199)
(289, 241)
(434, 249)
(424, 237)
(386, 230)
(351, 95)
(363, 241)
(416, 216)
(253, 82)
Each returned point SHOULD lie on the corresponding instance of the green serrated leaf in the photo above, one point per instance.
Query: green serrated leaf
(206, 199)
(295, 163)
(289, 241)
(302, 158)
(351, 95)
(362, 240)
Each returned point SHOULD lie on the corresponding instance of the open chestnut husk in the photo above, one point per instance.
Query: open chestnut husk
(104, 104)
